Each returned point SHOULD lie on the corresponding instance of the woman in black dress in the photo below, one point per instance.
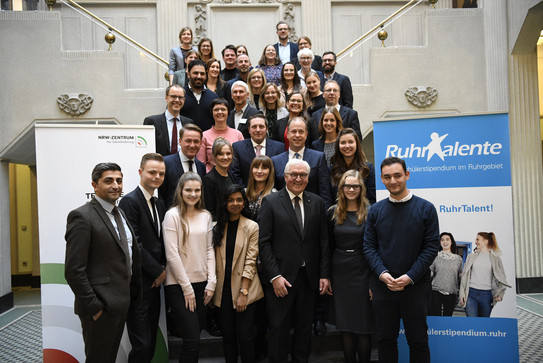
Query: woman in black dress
(219, 178)
(350, 271)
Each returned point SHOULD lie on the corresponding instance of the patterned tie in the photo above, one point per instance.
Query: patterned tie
(173, 148)
(258, 148)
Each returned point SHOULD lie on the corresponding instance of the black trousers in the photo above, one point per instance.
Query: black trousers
(238, 329)
(439, 300)
(102, 337)
(142, 326)
(296, 307)
(189, 324)
(411, 306)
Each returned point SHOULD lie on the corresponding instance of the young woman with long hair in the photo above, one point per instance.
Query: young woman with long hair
(314, 96)
(271, 65)
(205, 49)
(272, 106)
(260, 183)
(190, 268)
(178, 53)
(350, 270)
(235, 238)
(214, 81)
(255, 81)
(330, 125)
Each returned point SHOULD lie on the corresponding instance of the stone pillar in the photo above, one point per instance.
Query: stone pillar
(496, 50)
(6, 296)
(526, 164)
(317, 24)
(171, 16)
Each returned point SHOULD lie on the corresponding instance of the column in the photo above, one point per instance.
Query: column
(6, 296)
(317, 24)
(526, 164)
(171, 17)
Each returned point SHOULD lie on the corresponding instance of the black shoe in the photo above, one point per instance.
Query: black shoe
(213, 328)
(319, 328)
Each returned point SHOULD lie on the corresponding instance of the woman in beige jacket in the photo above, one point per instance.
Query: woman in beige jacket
(235, 238)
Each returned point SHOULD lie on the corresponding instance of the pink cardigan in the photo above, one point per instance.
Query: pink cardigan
(205, 154)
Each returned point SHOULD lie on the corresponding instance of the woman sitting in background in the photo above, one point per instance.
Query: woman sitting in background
(235, 238)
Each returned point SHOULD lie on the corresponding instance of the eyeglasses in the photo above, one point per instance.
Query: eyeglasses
(282, 29)
(177, 97)
(355, 187)
(296, 176)
(256, 77)
(327, 61)
(305, 58)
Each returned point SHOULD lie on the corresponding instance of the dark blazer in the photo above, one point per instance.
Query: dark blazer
(283, 247)
(153, 257)
(349, 118)
(214, 187)
(244, 153)
(318, 145)
(249, 111)
(281, 126)
(174, 170)
(199, 111)
(293, 51)
(316, 65)
(346, 95)
(97, 265)
(319, 177)
(162, 136)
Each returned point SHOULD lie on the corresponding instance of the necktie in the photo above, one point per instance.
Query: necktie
(173, 148)
(297, 156)
(120, 227)
(190, 164)
(258, 148)
(155, 217)
(298, 212)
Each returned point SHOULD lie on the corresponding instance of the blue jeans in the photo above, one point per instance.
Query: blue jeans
(479, 303)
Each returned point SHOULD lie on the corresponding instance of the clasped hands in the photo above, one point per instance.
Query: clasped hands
(280, 285)
(395, 284)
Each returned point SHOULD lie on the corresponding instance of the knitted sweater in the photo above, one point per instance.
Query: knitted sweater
(446, 270)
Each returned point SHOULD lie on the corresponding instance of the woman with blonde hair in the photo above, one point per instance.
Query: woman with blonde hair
(235, 238)
(272, 106)
(178, 54)
(483, 279)
(214, 81)
(255, 81)
(314, 96)
(260, 183)
(350, 270)
(190, 268)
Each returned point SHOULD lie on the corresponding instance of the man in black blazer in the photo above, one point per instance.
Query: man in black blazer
(237, 119)
(168, 124)
(245, 150)
(329, 67)
(197, 97)
(286, 50)
(243, 65)
(349, 117)
(319, 177)
(190, 139)
(102, 265)
(145, 213)
(295, 258)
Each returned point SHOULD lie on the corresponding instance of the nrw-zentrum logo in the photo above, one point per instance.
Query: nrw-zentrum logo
(437, 148)
(141, 142)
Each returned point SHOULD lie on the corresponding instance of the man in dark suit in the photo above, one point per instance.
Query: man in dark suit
(286, 50)
(197, 97)
(401, 241)
(190, 139)
(349, 117)
(237, 119)
(168, 124)
(245, 151)
(243, 65)
(295, 258)
(102, 265)
(145, 213)
(329, 67)
(319, 177)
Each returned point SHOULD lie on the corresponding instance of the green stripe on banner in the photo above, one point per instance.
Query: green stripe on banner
(161, 349)
(53, 273)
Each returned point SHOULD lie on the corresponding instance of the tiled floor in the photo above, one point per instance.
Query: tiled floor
(20, 330)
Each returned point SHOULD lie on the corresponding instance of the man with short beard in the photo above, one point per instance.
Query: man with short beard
(329, 67)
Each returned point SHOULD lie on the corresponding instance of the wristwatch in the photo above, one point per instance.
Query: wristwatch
(244, 291)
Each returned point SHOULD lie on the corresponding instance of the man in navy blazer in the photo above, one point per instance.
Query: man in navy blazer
(319, 177)
(145, 214)
(190, 139)
(245, 150)
(164, 122)
(286, 50)
(237, 119)
(198, 108)
(329, 67)
(349, 117)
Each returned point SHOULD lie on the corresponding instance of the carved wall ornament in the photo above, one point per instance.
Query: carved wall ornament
(288, 17)
(200, 20)
(421, 96)
(75, 104)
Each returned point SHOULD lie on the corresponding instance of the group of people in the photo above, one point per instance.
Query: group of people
(258, 211)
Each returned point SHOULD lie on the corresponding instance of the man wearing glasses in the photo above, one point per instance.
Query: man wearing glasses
(286, 50)
(295, 258)
(168, 124)
(329, 63)
(318, 180)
